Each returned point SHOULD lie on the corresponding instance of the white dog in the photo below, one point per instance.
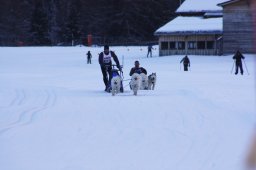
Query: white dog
(115, 84)
(135, 83)
(152, 81)
(144, 82)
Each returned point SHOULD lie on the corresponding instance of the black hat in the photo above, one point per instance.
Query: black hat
(136, 62)
(106, 47)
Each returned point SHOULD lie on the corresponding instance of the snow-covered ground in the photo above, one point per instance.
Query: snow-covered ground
(54, 114)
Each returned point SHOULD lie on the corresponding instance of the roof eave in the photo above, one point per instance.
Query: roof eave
(197, 12)
(188, 33)
(227, 3)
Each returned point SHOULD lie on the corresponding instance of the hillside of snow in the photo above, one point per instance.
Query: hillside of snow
(54, 114)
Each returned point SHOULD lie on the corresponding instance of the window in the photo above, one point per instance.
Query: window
(192, 45)
(164, 45)
(172, 45)
(201, 45)
(210, 44)
(181, 45)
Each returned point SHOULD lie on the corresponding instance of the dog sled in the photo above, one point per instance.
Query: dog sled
(115, 72)
(137, 81)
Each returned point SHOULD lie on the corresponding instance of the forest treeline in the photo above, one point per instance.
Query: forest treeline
(61, 22)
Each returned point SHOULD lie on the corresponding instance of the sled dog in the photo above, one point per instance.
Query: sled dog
(152, 81)
(135, 83)
(144, 82)
(115, 84)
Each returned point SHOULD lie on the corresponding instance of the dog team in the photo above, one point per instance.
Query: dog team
(139, 80)
(113, 84)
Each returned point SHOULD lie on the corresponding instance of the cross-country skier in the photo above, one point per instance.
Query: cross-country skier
(186, 63)
(238, 57)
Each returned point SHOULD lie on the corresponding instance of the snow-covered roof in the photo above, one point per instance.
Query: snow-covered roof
(189, 6)
(191, 25)
(213, 14)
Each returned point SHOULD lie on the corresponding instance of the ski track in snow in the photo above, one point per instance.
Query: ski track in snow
(19, 98)
(27, 116)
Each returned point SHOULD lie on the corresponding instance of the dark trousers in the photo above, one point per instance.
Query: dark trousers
(239, 65)
(149, 52)
(89, 61)
(185, 67)
(107, 75)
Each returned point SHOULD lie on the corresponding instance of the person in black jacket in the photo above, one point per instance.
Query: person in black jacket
(106, 65)
(137, 69)
(149, 51)
(238, 57)
(186, 63)
(89, 57)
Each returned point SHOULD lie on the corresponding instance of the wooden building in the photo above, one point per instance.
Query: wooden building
(197, 30)
(191, 35)
(238, 26)
(253, 9)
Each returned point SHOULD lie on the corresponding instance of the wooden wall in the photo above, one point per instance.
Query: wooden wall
(237, 28)
(186, 38)
(253, 12)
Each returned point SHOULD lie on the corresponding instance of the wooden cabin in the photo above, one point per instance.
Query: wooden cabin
(191, 35)
(237, 26)
(197, 30)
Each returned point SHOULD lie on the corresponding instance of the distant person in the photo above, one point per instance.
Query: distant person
(149, 51)
(186, 63)
(238, 57)
(89, 57)
(106, 65)
(137, 69)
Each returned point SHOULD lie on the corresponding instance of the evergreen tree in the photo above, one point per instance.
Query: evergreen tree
(39, 25)
(73, 25)
(14, 25)
(54, 26)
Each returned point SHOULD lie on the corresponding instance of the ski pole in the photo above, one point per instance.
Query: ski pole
(123, 61)
(232, 67)
(246, 68)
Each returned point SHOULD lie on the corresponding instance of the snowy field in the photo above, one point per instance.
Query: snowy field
(54, 114)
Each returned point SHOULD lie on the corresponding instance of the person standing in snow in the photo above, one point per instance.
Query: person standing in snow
(186, 63)
(105, 61)
(89, 57)
(149, 51)
(238, 57)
